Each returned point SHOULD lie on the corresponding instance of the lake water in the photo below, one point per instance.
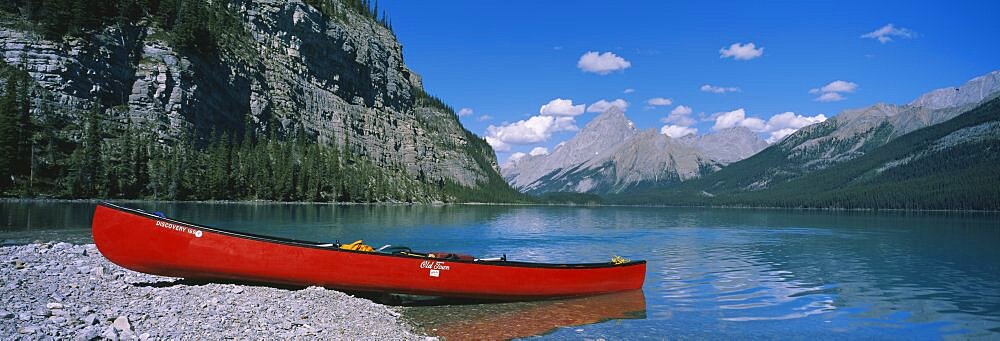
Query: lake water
(711, 273)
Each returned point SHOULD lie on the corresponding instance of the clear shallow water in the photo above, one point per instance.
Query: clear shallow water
(712, 273)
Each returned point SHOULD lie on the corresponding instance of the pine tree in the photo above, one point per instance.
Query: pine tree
(22, 114)
(85, 164)
(8, 135)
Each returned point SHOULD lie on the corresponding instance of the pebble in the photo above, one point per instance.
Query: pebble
(127, 335)
(87, 333)
(90, 320)
(110, 334)
(42, 312)
(72, 292)
(121, 324)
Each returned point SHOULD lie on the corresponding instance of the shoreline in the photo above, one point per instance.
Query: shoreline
(442, 204)
(67, 291)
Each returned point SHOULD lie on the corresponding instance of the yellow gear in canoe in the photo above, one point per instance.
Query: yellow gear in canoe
(357, 246)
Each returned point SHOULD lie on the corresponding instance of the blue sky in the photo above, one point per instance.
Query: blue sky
(504, 60)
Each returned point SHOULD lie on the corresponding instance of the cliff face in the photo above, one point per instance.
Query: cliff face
(289, 70)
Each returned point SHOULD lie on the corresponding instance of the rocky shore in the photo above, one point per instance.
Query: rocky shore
(65, 291)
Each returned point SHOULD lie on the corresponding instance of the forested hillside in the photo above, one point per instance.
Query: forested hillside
(188, 100)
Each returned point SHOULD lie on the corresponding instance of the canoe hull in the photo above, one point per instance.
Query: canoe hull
(146, 243)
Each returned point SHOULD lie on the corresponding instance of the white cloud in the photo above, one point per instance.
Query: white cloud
(561, 107)
(729, 119)
(681, 110)
(628, 91)
(602, 105)
(719, 89)
(885, 33)
(659, 101)
(786, 123)
(516, 156)
(681, 116)
(830, 97)
(602, 63)
(834, 91)
(780, 134)
(778, 126)
(676, 131)
(754, 124)
(792, 120)
(532, 130)
(739, 51)
(538, 151)
(484, 118)
(464, 112)
(497, 144)
(836, 86)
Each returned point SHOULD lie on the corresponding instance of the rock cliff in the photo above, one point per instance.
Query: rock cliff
(288, 69)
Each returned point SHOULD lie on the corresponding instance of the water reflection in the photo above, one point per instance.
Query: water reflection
(712, 273)
(503, 321)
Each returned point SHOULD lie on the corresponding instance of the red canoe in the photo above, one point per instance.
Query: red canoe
(145, 242)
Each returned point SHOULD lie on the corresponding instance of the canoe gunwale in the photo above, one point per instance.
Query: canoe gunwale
(314, 245)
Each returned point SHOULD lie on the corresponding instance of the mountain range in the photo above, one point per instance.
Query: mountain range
(938, 151)
(851, 134)
(610, 155)
(311, 100)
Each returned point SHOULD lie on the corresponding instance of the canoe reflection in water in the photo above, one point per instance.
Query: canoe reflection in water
(502, 321)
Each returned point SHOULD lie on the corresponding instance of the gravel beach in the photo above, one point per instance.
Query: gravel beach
(65, 291)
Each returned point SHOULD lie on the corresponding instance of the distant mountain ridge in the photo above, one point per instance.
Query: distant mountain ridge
(851, 134)
(610, 155)
(728, 145)
(950, 165)
(940, 151)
